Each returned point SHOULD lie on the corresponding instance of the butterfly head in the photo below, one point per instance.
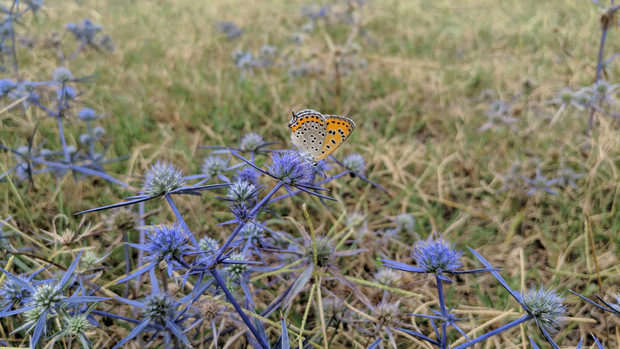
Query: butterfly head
(293, 119)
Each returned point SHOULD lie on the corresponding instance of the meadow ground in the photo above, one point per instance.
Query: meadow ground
(457, 106)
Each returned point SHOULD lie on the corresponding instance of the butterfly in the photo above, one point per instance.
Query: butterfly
(317, 135)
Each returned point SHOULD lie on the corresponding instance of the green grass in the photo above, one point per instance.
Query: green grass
(171, 86)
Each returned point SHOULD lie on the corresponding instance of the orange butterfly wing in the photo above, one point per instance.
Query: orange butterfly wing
(338, 129)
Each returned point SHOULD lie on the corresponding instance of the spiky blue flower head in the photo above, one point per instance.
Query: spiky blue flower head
(241, 210)
(267, 51)
(298, 38)
(213, 166)
(99, 131)
(406, 223)
(78, 324)
(566, 95)
(167, 243)
(251, 232)
(87, 114)
(208, 244)
(387, 276)
(240, 191)
(162, 178)
(387, 312)
(62, 75)
(235, 271)
(545, 305)
(106, 42)
(22, 170)
(245, 62)
(237, 54)
(354, 163)
(230, 29)
(247, 174)
(6, 86)
(158, 307)
(86, 139)
(67, 93)
(435, 255)
(251, 142)
(290, 168)
(90, 30)
(13, 293)
(47, 296)
(324, 251)
(34, 314)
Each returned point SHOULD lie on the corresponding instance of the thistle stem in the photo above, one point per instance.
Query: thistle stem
(487, 335)
(231, 299)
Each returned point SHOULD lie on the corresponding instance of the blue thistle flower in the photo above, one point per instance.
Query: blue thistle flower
(567, 177)
(164, 244)
(214, 166)
(386, 276)
(435, 255)
(87, 114)
(99, 131)
(13, 293)
(247, 174)
(290, 168)
(545, 306)
(230, 29)
(405, 223)
(62, 75)
(158, 306)
(66, 94)
(242, 191)
(6, 86)
(251, 142)
(236, 270)
(162, 178)
(540, 183)
(208, 244)
(107, 43)
(86, 139)
(252, 232)
(158, 309)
